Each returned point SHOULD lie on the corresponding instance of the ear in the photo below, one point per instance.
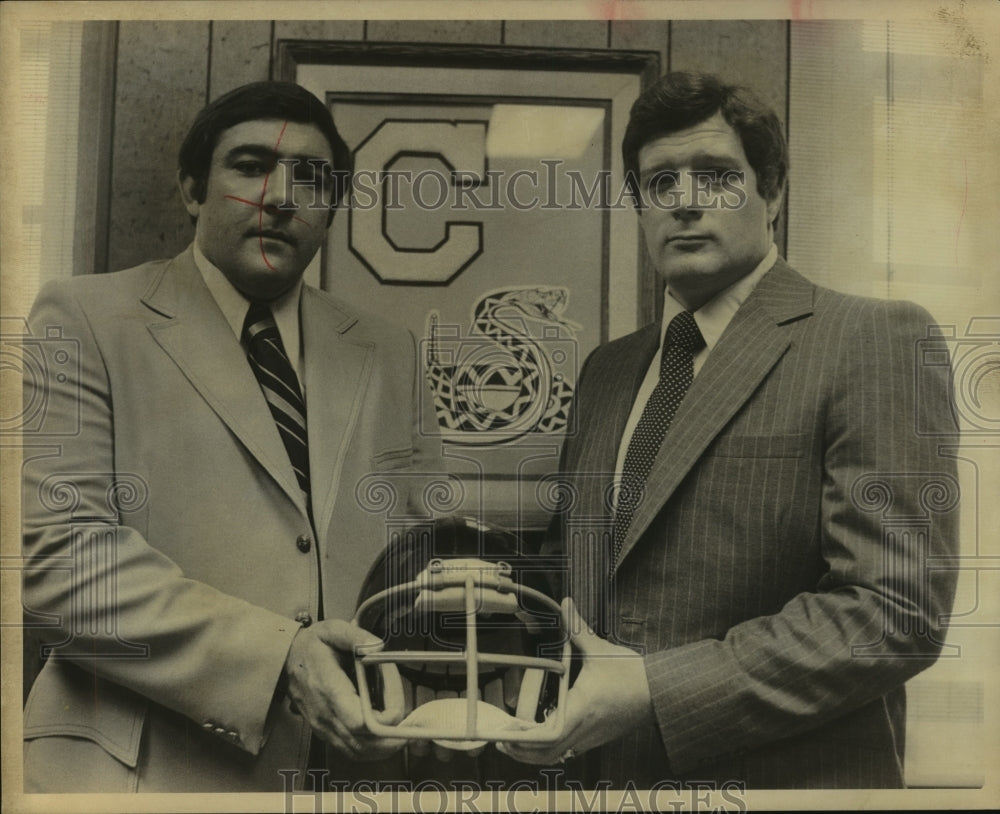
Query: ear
(187, 184)
(774, 204)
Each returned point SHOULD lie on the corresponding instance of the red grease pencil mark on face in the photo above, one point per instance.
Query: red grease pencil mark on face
(263, 192)
(260, 204)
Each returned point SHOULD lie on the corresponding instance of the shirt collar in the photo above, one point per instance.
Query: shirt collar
(714, 316)
(234, 305)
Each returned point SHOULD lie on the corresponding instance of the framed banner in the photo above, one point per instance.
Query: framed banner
(489, 215)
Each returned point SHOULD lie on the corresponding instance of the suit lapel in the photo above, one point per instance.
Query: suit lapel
(747, 351)
(197, 337)
(618, 384)
(609, 385)
(336, 376)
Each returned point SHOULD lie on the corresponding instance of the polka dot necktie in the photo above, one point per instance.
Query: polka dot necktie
(682, 341)
(280, 386)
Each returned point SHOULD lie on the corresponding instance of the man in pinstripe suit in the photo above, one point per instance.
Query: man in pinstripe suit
(764, 608)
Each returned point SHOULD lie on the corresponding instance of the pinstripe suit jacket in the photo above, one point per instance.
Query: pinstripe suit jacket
(776, 573)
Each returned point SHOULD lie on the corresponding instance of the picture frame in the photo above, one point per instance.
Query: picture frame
(490, 215)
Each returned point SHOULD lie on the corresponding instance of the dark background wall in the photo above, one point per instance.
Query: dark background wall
(159, 74)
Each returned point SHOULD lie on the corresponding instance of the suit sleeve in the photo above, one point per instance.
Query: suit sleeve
(125, 611)
(876, 616)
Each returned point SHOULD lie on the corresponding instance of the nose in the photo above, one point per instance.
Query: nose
(686, 214)
(686, 206)
(279, 191)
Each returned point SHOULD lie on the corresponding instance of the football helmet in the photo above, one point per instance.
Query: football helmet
(473, 648)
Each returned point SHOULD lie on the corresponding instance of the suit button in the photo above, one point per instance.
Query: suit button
(304, 543)
(303, 618)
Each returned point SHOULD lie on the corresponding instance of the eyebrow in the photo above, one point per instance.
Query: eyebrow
(698, 159)
(269, 153)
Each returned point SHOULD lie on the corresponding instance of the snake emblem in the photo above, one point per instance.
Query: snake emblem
(503, 380)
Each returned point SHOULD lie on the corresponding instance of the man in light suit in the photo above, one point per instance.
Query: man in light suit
(199, 582)
(758, 597)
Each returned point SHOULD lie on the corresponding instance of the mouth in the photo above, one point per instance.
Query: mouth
(272, 234)
(688, 242)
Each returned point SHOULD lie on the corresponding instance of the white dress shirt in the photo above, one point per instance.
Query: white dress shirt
(712, 319)
(234, 307)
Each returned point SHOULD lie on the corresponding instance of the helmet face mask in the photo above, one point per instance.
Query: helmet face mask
(473, 647)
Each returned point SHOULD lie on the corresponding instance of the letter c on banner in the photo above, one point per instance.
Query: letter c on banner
(461, 148)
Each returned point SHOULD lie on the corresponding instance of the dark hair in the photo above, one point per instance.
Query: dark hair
(261, 100)
(683, 99)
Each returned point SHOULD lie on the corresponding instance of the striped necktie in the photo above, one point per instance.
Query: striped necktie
(280, 385)
(682, 341)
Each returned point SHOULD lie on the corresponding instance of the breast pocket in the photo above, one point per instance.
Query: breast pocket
(756, 489)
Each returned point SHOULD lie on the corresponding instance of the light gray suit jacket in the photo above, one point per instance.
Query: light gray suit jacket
(778, 575)
(167, 536)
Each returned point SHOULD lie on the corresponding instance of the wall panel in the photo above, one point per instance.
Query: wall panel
(480, 32)
(319, 29)
(557, 33)
(751, 52)
(241, 53)
(648, 35)
(93, 167)
(161, 85)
